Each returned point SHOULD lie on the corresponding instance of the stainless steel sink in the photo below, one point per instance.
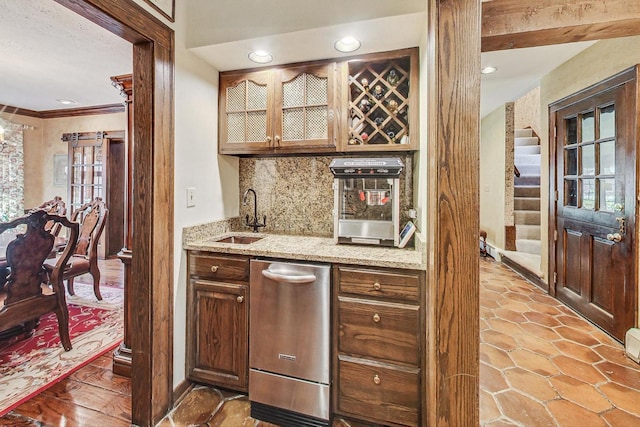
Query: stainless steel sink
(239, 240)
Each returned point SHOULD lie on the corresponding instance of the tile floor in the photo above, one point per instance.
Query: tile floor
(543, 365)
(540, 365)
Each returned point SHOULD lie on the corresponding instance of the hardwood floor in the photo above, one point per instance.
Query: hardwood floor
(91, 396)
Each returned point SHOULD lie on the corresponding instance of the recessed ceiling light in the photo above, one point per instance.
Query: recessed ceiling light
(347, 44)
(260, 57)
(66, 101)
(488, 70)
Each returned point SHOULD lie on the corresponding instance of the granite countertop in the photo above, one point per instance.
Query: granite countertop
(306, 248)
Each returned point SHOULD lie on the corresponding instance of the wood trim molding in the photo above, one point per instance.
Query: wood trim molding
(453, 58)
(153, 128)
(8, 109)
(82, 111)
(67, 112)
(511, 24)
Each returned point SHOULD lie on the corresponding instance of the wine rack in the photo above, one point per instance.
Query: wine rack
(379, 102)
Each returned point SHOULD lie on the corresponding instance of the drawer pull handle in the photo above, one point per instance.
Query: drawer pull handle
(214, 268)
(376, 379)
(376, 286)
(240, 299)
(376, 317)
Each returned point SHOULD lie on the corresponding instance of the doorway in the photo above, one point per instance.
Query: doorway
(592, 214)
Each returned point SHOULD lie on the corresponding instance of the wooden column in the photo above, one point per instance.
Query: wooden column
(122, 355)
(453, 67)
(151, 313)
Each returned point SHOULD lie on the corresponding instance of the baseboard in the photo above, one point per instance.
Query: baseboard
(492, 251)
(529, 275)
(181, 391)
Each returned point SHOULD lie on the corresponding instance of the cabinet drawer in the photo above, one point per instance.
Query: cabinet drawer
(219, 267)
(386, 393)
(403, 286)
(379, 330)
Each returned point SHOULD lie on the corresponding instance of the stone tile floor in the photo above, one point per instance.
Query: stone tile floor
(540, 365)
(543, 365)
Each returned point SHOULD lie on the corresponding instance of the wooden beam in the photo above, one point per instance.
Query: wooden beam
(511, 24)
(453, 61)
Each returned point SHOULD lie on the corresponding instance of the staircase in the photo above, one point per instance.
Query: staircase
(527, 200)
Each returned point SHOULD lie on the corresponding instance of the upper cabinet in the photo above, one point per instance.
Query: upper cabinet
(282, 110)
(382, 102)
(364, 103)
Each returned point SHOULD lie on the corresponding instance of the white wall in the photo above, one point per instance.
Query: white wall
(197, 165)
(492, 179)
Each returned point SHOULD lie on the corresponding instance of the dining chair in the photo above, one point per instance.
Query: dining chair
(31, 290)
(92, 217)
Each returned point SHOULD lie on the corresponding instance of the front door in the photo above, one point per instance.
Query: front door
(593, 170)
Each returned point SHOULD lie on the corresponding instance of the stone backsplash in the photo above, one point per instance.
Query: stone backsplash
(296, 194)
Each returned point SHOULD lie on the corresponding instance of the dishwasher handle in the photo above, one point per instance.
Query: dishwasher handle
(286, 278)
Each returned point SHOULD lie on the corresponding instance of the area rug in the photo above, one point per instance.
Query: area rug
(28, 367)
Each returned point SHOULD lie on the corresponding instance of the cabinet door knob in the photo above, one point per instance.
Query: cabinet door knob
(214, 268)
(278, 140)
(376, 317)
(240, 299)
(376, 286)
(376, 379)
(268, 140)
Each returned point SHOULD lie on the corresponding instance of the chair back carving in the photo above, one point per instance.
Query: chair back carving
(31, 290)
(92, 217)
(55, 206)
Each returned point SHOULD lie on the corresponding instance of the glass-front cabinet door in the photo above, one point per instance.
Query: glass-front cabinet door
(287, 109)
(246, 112)
(305, 100)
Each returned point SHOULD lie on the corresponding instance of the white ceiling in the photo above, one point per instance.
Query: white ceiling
(50, 53)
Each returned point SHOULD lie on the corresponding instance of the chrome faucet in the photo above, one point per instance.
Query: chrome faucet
(255, 224)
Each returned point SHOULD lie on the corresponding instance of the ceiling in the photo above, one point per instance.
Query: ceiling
(50, 53)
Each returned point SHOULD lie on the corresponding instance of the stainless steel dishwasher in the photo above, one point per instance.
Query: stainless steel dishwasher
(289, 345)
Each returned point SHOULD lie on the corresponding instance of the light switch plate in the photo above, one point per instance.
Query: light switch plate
(191, 197)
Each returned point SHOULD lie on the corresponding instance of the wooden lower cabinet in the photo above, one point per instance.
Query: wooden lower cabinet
(218, 320)
(378, 345)
(378, 336)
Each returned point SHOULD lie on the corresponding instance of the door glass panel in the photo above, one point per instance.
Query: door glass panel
(293, 92)
(587, 127)
(256, 126)
(236, 124)
(588, 160)
(570, 192)
(608, 122)
(293, 124)
(571, 162)
(572, 130)
(588, 193)
(236, 97)
(256, 96)
(607, 157)
(607, 194)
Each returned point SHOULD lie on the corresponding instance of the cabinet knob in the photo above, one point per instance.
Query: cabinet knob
(376, 286)
(278, 140)
(240, 299)
(376, 379)
(268, 140)
(376, 317)
(214, 268)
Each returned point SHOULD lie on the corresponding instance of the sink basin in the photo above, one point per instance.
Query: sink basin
(239, 240)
